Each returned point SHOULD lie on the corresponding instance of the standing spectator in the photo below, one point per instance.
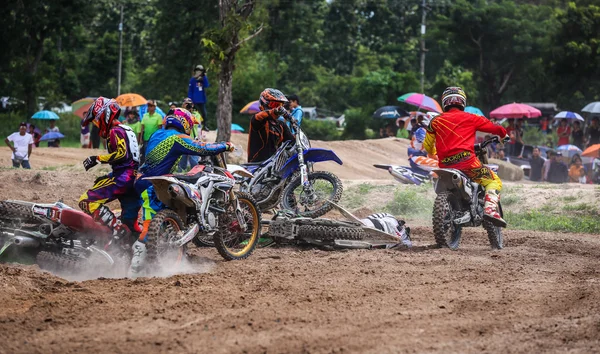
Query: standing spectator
(132, 121)
(575, 169)
(537, 165)
(35, 134)
(518, 147)
(563, 132)
(402, 133)
(544, 125)
(53, 129)
(510, 145)
(151, 122)
(295, 110)
(577, 135)
(558, 172)
(85, 137)
(95, 137)
(593, 133)
(21, 148)
(491, 148)
(500, 155)
(172, 105)
(196, 90)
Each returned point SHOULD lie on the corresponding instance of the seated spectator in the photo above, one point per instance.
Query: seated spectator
(576, 169)
(537, 165)
(558, 172)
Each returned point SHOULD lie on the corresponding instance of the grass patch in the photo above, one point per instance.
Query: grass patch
(410, 202)
(50, 168)
(584, 208)
(540, 221)
(569, 199)
(364, 188)
(548, 208)
(511, 199)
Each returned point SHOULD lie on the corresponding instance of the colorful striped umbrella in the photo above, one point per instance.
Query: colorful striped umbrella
(515, 110)
(422, 101)
(569, 115)
(251, 108)
(80, 107)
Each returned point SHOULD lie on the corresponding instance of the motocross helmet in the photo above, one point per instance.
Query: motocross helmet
(180, 119)
(454, 97)
(271, 99)
(104, 112)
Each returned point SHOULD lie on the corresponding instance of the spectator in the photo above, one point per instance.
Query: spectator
(85, 137)
(577, 135)
(549, 143)
(558, 172)
(172, 105)
(563, 132)
(132, 120)
(537, 165)
(53, 129)
(593, 133)
(95, 137)
(491, 148)
(544, 125)
(196, 90)
(21, 148)
(500, 155)
(518, 147)
(295, 110)
(575, 169)
(35, 134)
(510, 145)
(151, 122)
(402, 133)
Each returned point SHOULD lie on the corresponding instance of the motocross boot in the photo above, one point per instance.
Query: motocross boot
(490, 209)
(138, 260)
(105, 216)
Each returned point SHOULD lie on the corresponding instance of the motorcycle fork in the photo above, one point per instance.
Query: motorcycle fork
(238, 211)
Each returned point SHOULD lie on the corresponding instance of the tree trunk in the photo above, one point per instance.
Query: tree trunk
(224, 105)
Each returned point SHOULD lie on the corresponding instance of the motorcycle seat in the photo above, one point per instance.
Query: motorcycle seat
(192, 175)
(252, 164)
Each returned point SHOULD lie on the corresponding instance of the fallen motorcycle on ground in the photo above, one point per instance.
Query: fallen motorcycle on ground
(459, 203)
(62, 239)
(287, 178)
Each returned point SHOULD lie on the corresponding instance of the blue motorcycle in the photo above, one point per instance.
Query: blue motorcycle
(288, 179)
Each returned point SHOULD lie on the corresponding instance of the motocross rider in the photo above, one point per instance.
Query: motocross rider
(123, 156)
(266, 131)
(164, 151)
(451, 136)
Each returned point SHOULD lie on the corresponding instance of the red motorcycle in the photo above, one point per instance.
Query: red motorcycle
(62, 240)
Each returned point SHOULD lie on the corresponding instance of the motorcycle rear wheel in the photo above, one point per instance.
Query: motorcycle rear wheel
(231, 243)
(293, 196)
(446, 233)
(164, 227)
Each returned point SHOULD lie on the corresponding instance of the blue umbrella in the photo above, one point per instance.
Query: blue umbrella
(45, 115)
(144, 109)
(390, 112)
(52, 136)
(569, 115)
(237, 127)
(569, 149)
(474, 110)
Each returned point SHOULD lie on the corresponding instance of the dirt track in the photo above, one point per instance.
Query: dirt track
(540, 294)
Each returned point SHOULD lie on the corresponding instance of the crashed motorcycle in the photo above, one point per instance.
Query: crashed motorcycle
(287, 178)
(459, 203)
(62, 240)
(202, 204)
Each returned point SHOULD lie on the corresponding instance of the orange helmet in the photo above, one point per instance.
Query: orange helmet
(271, 99)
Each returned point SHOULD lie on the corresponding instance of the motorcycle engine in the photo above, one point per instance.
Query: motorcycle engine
(261, 191)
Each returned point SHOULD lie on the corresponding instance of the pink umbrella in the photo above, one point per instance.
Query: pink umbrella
(422, 101)
(515, 110)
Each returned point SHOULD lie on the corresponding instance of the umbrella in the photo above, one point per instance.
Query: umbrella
(236, 127)
(593, 107)
(250, 108)
(45, 115)
(52, 136)
(131, 100)
(571, 150)
(515, 110)
(592, 151)
(474, 110)
(80, 107)
(420, 100)
(144, 109)
(390, 112)
(569, 115)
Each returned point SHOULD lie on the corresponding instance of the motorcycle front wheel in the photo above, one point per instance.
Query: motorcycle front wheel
(312, 201)
(231, 241)
(446, 233)
(164, 229)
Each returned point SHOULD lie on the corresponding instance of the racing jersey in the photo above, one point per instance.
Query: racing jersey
(165, 148)
(122, 146)
(265, 136)
(451, 136)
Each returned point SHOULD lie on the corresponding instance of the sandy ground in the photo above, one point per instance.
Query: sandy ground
(540, 294)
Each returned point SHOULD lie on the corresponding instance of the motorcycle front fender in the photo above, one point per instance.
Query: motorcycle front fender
(310, 155)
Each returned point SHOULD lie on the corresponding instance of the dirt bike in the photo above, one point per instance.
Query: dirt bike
(202, 204)
(287, 178)
(62, 239)
(459, 203)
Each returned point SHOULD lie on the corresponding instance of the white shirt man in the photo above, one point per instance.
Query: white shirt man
(22, 144)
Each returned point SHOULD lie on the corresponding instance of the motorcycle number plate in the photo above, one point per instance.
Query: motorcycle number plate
(47, 212)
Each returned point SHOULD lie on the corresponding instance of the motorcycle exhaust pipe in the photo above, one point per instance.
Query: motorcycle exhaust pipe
(177, 193)
(24, 241)
(459, 183)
